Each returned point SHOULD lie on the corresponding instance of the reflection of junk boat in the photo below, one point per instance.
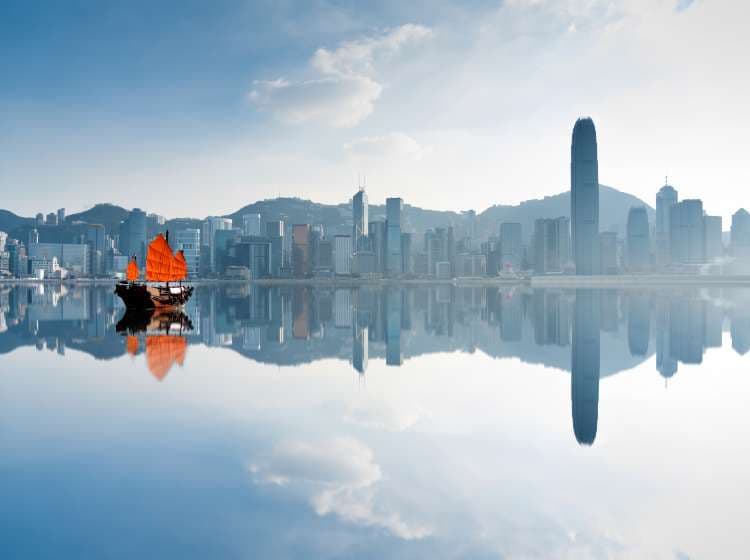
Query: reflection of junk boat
(164, 332)
(162, 265)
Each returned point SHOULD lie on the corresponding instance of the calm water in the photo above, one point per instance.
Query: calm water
(400, 423)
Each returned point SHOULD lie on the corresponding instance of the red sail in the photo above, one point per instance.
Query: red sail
(179, 266)
(162, 352)
(132, 271)
(159, 261)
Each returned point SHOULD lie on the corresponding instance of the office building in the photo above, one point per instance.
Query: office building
(133, 236)
(608, 253)
(584, 197)
(254, 253)
(511, 247)
(3, 241)
(740, 235)
(342, 250)
(96, 239)
(686, 232)
(377, 234)
(359, 221)
(407, 262)
(301, 263)
(275, 234)
(51, 219)
(712, 237)
(209, 228)
(189, 242)
(40, 219)
(224, 249)
(73, 257)
(394, 260)
(251, 225)
(638, 240)
(551, 244)
(61, 216)
(665, 199)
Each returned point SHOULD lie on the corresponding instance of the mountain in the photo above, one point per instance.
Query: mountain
(109, 215)
(9, 221)
(337, 218)
(613, 211)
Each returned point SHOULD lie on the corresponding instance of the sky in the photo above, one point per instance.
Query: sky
(191, 108)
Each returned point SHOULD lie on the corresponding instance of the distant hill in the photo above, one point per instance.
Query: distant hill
(9, 221)
(337, 218)
(109, 215)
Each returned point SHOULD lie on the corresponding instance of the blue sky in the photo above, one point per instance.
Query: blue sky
(448, 104)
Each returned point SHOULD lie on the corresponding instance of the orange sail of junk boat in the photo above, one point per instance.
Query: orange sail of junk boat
(163, 268)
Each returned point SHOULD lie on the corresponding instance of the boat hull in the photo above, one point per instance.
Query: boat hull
(142, 296)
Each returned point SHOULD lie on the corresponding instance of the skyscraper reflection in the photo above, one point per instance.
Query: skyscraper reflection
(585, 365)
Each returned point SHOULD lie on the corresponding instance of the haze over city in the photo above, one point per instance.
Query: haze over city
(191, 110)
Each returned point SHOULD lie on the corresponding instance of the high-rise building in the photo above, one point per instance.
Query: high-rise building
(712, 237)
(359, 221)
(686, 232)
(511, 246)
(377, 234)
(665, 199)
(210, 226)
(740, 234)
(189, 242)
(96, 240)
(33, 237)
(251, 224)
(61, 216)
(551, 244)
(3, 241)
(301, 262)
(342, 249)
(40, 219)
(407, 263)
(609, 263)
(74, 257)
(638, 239)
(394, 260)
(275, 233)
(584, 197)
(133, 236)
(51, 219)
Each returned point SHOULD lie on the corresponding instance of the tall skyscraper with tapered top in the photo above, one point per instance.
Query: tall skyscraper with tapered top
(360, 221)
(584, 197)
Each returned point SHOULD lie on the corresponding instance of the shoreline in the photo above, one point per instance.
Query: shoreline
(552, 281)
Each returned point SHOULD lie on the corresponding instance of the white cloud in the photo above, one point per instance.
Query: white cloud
(339, 102)
(345, 90)
(339, 477)
(388, 146)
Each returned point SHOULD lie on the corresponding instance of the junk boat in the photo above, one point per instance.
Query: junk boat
(162, 265)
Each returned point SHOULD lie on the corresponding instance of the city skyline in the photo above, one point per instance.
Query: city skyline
(302, 109)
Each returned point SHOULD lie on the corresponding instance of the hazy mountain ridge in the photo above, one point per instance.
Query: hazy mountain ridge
(614, 206)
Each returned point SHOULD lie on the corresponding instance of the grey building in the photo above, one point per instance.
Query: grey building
(189, 242)
(638, 239)
(740, 234)
(712, 237)
(609, 263)
(394, 261)
(275, 234)
(377, 233)
(584, 197)
(511, 246)
(665, 199)
(133, 236)
(686, 232)
(551, 244)
(359, 221)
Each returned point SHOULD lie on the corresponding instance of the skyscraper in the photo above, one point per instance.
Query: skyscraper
(712, 237)
(377, 244)
(211, 225)
(740, 234)
(665, 199)
(188, 240)
(551, 244)
(639, 240)
(511, 246)
(584, 197)
(394, 259)
(133, 235)
(251, 224)
(301, 263)
(686, 232)
(359, 219)
(275, 232)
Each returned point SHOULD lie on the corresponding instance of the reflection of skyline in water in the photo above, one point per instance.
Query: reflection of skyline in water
(590, 333)
(292, 325)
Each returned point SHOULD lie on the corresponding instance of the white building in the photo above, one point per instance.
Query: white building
(342, 249)
(189, 241)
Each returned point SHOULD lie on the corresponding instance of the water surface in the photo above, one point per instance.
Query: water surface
(437, 422)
